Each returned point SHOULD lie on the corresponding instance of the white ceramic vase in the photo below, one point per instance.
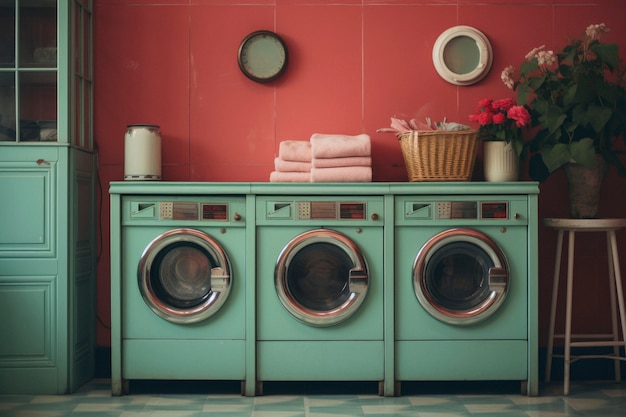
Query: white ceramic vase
(500, 162)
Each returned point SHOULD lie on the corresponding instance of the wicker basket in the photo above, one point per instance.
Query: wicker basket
(439, 155)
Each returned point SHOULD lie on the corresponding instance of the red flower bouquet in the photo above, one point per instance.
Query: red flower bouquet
(501, 120)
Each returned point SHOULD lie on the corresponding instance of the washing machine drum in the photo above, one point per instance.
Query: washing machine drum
(321, 277)
(460, 276)
(184, 276)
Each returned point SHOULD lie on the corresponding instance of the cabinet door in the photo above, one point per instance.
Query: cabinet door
(29, 70)
(29, 306)
(32, 269)
(28, 213)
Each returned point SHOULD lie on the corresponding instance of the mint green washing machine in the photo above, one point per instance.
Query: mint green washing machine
(182, 289)
(462, 288)
(319, 279)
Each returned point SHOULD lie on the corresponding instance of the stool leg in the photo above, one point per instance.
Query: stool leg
(555, 295)
(614, 329)
(618, 283)
(568, 312)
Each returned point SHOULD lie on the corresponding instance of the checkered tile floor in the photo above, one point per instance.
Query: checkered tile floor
(604, 399)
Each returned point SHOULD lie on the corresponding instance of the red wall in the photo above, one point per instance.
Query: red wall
(353, 64)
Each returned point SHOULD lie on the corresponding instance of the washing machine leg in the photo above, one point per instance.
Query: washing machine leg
(397, 388)
(125, 387)
(381, 389)
(259, 388)
(524, 388)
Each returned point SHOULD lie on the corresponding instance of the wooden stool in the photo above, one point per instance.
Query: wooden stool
(608, 226)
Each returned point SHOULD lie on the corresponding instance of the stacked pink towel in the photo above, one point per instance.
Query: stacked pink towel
(347, 161)
(293, 163)
(337, 146)
(291, 166)
(341, 158)
(277, 176)
(295, 150)
(341, 174)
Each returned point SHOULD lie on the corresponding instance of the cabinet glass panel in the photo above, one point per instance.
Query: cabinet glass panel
(7, 106)
(82, 70)
(46, 72)
(37, 33)
(7, 33)
(38, 106)
(28, 70)
(87, 133)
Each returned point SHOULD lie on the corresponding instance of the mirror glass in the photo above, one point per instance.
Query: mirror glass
(461, 55)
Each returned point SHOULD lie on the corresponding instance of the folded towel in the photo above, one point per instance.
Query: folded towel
(334, 146)
(291, 166)
(295, 150)
(348, 161)
(341, 174)
(276, 176)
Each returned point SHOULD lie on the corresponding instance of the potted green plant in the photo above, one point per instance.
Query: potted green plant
(500, 128)
(577, 100)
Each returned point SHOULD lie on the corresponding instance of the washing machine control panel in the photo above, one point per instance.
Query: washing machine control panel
(306, 210)
(475, 210)
(330, 210)
(494, 210)
(457, 210)
(193, 211)
(205, 210)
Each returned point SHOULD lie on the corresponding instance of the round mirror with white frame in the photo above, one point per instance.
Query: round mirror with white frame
(462, 55)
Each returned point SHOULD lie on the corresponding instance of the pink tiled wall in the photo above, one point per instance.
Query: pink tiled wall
(353, 64)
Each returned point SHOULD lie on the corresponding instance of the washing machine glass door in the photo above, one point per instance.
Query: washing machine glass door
(460, 276)
(321, 277)
(184, 276)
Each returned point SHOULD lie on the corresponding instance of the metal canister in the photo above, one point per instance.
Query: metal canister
(142, 152)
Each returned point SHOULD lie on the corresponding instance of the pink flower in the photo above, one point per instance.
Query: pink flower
(498, 118)
(484, 118)
(520, 115)
(503, 104)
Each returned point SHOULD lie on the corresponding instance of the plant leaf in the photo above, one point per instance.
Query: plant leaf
(523, 94)
(569, 94)
(518, 147)
(598, 116)
(556, 156)
(608, 53)
(553, 119)
(583, 152)
(528, 67)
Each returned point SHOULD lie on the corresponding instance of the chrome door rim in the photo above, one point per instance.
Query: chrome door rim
(498, 277)
(358, 278)
(221, 279)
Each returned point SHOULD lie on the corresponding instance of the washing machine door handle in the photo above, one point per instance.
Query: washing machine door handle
(358, 280)
(220, 281)
(498, 279)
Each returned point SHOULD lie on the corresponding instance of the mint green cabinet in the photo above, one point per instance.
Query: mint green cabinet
(47, 186)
